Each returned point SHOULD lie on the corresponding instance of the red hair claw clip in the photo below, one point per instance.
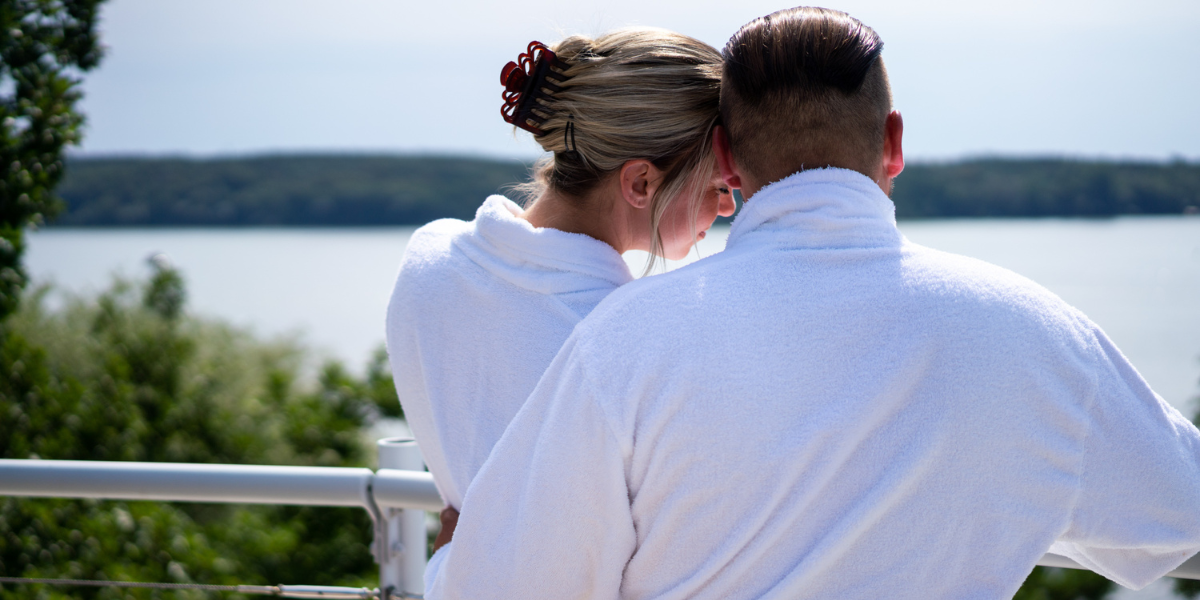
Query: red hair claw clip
(525, 84)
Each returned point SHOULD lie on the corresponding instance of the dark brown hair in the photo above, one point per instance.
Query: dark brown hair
(805, 88)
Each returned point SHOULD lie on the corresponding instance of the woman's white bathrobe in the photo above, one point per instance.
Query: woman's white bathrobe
(826, 410)
(478, 312)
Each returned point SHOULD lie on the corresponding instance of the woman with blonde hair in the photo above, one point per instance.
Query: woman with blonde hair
(480, 308)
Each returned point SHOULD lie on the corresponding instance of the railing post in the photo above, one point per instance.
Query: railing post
(403, 569)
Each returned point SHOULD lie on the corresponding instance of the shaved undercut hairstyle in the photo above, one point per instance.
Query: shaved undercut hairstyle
(805, 88)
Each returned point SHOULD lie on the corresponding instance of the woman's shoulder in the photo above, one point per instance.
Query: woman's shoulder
(441, 233)
(438, 233)
(430, 262)
(435, 242)
(441, 247)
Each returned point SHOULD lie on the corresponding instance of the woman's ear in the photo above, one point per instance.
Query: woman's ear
(639, 180)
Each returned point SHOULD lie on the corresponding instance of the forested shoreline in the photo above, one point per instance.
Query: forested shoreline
(381, 190)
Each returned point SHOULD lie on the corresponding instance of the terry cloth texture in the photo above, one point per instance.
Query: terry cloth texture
(478, 312)
(826, 410)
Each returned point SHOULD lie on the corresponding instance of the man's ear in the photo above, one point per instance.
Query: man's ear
(893, 147)
(724, 153)
(639, 180)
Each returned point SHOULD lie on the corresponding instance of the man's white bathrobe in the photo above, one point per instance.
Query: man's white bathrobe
(826, 410)
(478, 312)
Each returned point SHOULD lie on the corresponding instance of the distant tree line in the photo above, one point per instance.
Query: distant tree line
(298, 191)
(348, 190)
(1046, 188)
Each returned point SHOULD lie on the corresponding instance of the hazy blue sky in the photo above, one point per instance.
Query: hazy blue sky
(203, 77)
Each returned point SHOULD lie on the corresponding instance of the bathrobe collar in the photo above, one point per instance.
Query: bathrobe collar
(827, 208)
(543, 260)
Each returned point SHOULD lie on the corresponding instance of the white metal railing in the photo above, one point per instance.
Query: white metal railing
(179, 482)
(395, 496)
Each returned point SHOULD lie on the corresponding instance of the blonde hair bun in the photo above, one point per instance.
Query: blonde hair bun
(632, 93)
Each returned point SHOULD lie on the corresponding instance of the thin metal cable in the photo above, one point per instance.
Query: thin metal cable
(285, 591)
(244, 589)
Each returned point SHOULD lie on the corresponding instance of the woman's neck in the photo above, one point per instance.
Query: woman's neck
(590, 216)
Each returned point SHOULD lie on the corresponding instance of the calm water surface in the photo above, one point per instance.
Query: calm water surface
(1139, 278)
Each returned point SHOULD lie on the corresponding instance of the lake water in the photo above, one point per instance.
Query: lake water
(1139, 278)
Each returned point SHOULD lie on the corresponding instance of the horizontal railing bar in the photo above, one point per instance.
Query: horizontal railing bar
(182, 482)
(1190, 569)
(264, 484)
(249, 484)
(394, 488)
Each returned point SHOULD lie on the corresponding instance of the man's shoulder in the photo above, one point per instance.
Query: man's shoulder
(950, 285)
(963, 277)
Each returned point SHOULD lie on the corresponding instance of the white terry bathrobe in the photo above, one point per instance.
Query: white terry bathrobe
(826, 410)
(478, 312)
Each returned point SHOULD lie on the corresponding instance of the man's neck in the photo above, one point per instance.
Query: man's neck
(752, 185)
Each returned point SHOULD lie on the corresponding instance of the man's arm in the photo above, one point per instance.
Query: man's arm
(449, 518)
(548, 514)
(1137, 515)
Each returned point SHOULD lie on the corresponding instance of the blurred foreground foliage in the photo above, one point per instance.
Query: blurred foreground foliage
(1050, 583)
(129, 375)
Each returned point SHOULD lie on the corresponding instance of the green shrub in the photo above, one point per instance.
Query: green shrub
(129, 375)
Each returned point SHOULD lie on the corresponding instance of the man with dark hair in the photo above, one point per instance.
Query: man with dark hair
(806, 88)
(825, 410)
